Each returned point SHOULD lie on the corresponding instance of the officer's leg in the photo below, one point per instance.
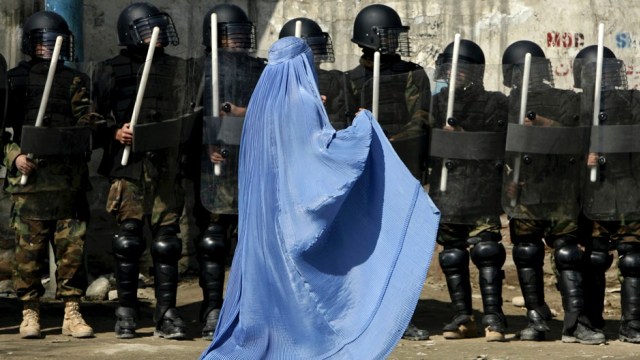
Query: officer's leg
(166, 251)
(629, 265)
(598, 260)
(528, 255)
(454, 261)
(212, 250)
(488, 254)
(32, 237)
(128, 245)
(569, 263)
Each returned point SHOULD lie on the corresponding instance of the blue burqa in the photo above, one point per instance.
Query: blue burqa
(335, 235)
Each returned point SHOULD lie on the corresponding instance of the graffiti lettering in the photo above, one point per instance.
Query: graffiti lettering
(565, 39)
(626, 40)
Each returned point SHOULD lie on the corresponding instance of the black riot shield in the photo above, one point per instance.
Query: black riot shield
(614, 193)
(402, 109)
(167, 114)
(545, 148)
(467, 147)
(239, 72)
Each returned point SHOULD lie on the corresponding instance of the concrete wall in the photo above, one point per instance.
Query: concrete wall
(561, 28)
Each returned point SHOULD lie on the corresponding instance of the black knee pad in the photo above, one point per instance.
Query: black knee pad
(488, 253)
(128, 245)
(568, 257)
(212, 245)
(528, 254)
(167, 247)
(453, 259)
(629, 261)
(599, 261)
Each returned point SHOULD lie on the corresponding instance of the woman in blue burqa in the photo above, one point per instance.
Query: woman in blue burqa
(335, 234)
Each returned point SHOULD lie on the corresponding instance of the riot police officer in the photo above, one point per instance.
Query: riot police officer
(405, 92)
(51, 207)
(216, 172)
(4, 95)
(545, 202)
(470, 198)
(334, 90)
(146, 189)
(611, 197)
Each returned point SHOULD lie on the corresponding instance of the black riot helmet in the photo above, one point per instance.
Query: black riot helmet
(318, 40)
(470, 64)
(378, 27)
(136, 23)
(584, 69)
(39, 35)
(513, 64)
(235, 30)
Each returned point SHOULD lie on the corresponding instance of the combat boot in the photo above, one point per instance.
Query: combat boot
(537, 328)
(494, 327)
(583, 334)
(30, 326)
(210, 323)
(414, 333)
(462, 327)
(125, 322)
(171, 326)
(73, 323)
(630, 331)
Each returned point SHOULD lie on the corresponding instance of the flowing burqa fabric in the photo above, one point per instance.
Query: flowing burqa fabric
(335, 235)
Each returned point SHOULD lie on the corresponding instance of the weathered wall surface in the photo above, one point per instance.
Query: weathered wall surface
(561, 28)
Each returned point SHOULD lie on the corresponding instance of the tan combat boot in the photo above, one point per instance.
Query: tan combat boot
(73, 324)
(30, 326)
(462, 327)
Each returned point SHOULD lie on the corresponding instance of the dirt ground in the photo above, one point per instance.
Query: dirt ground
(432, 312)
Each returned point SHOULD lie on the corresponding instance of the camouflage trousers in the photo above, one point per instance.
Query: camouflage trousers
(616, 231)
(449, 233)
(159, 199)
(547, 229)
(32, 238)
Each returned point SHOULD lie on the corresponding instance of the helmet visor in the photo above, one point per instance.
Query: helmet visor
(322, 47)
(613, 74)
(143, 28)
(540, 73)
(237, 36)
(42, 42)
(394, 40)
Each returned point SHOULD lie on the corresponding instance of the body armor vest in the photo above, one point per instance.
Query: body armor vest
(393, 110)
(164, 94)
(27, 85)
(164, 99)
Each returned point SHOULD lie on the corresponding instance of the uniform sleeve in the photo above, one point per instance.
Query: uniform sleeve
(11, 152)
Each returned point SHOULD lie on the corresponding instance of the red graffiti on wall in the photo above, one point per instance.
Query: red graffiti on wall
(562, 69)
(565, 39)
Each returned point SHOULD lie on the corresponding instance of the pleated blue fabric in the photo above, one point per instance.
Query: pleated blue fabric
(335, 235)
